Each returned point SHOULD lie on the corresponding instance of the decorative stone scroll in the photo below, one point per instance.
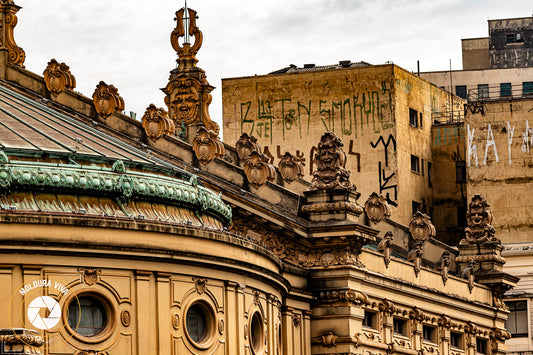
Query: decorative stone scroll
(290, 167)
(385, 247)
(207, 146)
(246, 145)
(258, 170)
(377, 208)
(331, 161)
(58, 77)
(15, 54)
(156, 123)
(106, 100)
(479, 218)
(421, 227)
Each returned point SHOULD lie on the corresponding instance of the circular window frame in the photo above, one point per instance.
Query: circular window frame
(110, 314)
(210, 323)
(261, 343)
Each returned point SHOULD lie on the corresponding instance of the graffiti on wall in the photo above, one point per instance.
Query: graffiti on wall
(347, 116)
(387, 169)
(492, 152)
(446, 135)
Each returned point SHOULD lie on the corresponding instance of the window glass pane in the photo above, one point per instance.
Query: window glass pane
(517, 321)
(527, 87)
(86, 316)
(460, 90)
(483, 91)
(196, 323)
(505, 89)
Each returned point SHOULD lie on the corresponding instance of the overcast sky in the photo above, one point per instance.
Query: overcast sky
(126, 42)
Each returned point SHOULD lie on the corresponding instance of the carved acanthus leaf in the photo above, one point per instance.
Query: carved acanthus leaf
(207, 146)
(58, 77)
(156, 122)
(106, 100)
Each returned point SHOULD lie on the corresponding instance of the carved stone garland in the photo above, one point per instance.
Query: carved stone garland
(156, 123)
(377, 208)
(207, 146)
(58, 77)
(15, 54)
(290, 167)
(330, 161)
(106, 100)
(258, 170)
(479, 218)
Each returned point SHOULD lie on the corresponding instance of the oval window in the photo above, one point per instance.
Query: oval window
(256, 333)
(87, 316)
(196, 323)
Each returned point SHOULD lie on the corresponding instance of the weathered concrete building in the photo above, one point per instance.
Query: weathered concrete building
(154, 237)
(382, 113)
(495, 66)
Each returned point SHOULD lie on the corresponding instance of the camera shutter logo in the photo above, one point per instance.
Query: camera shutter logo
(54, 314)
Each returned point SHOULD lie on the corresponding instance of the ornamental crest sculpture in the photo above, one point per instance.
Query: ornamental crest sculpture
(207, 146)
(188, 92)
(258, 170)
(331, 161)
(107, 100)
(421, 227)
(246, 145)
(377, 208)
(290, 167)
(156, 123)
(58, 77)
(479, 218)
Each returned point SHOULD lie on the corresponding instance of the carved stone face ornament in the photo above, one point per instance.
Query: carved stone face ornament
(185, 103)
(479, 219)
(330, 160)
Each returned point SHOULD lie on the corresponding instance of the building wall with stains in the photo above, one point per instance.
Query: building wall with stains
(511, 42)
(499, 158)
(368, 108)
(449, 180)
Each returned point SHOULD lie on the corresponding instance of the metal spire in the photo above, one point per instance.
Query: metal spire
(186, 19)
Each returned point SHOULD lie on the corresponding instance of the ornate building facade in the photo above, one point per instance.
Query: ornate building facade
(154, 237)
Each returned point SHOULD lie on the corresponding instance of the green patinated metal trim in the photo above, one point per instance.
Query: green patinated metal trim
(123, 184)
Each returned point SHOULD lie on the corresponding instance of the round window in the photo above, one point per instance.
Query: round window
(196, 323)
(87, 316)
(199, 324)
(256, 333)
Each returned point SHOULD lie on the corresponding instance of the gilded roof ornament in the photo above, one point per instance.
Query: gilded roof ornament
(290, 167)
(188, 92)
(377, 208)
(207, 146)
(258, 170)
(479, 218)
(156, 123)
(246, 145)
(58, 77)
(16, 55)
(331, 162)
(107, 100)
